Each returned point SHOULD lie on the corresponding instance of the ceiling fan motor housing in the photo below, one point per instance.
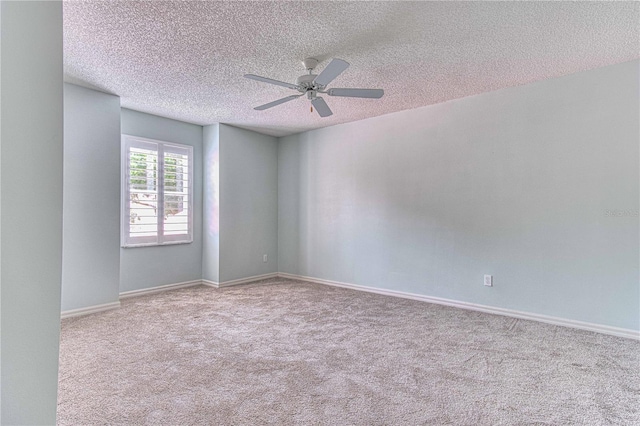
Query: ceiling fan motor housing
(306, 81)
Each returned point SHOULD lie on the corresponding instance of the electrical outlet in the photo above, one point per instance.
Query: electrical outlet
(488, 280)
(264, 258)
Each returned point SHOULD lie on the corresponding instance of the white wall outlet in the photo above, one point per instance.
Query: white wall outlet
(488, 280)
(264, 258)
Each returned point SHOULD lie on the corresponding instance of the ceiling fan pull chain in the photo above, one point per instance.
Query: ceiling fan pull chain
(311, 108)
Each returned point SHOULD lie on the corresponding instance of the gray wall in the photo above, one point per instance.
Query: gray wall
(145, 267)
(519, 183)
(31, 176)
(248, 203)
(91, 207)
(211, 213)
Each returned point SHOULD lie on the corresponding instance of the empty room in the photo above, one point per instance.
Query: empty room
(320, 213)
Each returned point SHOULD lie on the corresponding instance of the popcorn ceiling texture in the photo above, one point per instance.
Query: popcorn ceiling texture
(186, 60)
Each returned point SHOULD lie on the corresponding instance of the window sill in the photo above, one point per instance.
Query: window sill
(168, 243)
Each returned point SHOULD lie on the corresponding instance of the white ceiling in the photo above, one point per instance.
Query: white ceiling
(185, 60)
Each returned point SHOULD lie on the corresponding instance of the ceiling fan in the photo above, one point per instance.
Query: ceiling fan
(311, 84)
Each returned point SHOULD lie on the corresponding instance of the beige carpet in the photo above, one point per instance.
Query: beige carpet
(290, 353)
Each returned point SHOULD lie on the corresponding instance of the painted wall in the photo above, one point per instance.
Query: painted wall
(211, 213)
(31, 217)
(537, 185)
(248, 203)
(145, 267)
(91, 203)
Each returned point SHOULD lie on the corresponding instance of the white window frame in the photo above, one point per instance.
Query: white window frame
(126, 241)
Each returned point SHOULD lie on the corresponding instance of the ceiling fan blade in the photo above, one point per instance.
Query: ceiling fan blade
(357, 93)
(331, 71)
(321, 107)
(271, 81)
(278, 102)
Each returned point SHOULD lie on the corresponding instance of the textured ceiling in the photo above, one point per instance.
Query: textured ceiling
(185, 60)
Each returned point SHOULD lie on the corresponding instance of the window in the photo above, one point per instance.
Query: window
(157, 195)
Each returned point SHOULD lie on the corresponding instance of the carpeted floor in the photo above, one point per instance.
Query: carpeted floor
(290, 353)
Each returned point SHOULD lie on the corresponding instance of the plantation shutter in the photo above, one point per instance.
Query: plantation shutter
(177, 187)
(157, 192)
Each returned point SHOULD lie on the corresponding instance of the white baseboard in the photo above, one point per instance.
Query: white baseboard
(158, 289)
(598, 328)
(89, 310)
(209, 283)
(247, 280)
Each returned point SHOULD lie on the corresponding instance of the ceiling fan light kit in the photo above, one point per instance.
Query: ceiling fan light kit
(311, 84)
